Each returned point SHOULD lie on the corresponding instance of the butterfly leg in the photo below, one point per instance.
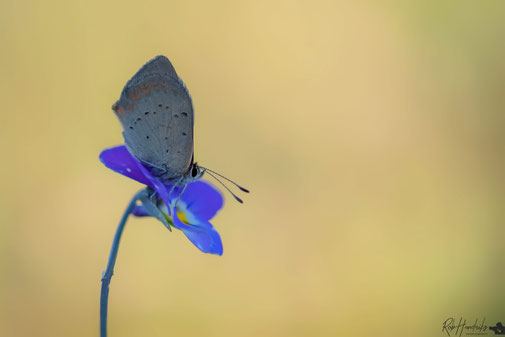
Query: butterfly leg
(148, 164)
(176, 201)
(170, 193)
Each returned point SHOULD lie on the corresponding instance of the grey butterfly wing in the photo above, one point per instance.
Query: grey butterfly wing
(160, 65)
(156, 112)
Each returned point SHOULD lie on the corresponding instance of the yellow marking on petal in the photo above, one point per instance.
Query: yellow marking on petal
(182, 217)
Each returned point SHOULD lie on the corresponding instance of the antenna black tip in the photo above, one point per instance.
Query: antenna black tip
(243, 189)
(238, 199)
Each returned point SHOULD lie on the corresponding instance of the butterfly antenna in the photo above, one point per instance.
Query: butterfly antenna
(213, 176)
(231, 181)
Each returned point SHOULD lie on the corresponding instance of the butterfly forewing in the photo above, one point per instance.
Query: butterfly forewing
(156, 113)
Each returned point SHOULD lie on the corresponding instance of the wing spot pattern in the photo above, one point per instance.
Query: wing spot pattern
(135, 95)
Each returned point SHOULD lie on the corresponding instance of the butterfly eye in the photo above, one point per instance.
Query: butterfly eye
(194, 171)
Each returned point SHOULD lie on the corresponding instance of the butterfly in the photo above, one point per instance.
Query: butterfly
(156, 112)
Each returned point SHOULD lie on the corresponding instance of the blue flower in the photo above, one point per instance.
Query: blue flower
(190, 213)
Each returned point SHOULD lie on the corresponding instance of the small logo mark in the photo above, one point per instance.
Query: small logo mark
(499, 329)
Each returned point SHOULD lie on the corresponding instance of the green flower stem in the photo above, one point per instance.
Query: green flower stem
(107, 275)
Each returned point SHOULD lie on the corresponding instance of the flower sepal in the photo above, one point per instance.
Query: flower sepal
(149, 207)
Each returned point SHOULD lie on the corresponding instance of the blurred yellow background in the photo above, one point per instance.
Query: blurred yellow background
(370, 134)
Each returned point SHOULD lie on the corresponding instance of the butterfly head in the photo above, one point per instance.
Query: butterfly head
(196, 172)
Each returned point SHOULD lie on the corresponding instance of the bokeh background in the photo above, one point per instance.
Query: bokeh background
(370, 134)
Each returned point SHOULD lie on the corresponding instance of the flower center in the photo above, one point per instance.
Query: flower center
(183, 218)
